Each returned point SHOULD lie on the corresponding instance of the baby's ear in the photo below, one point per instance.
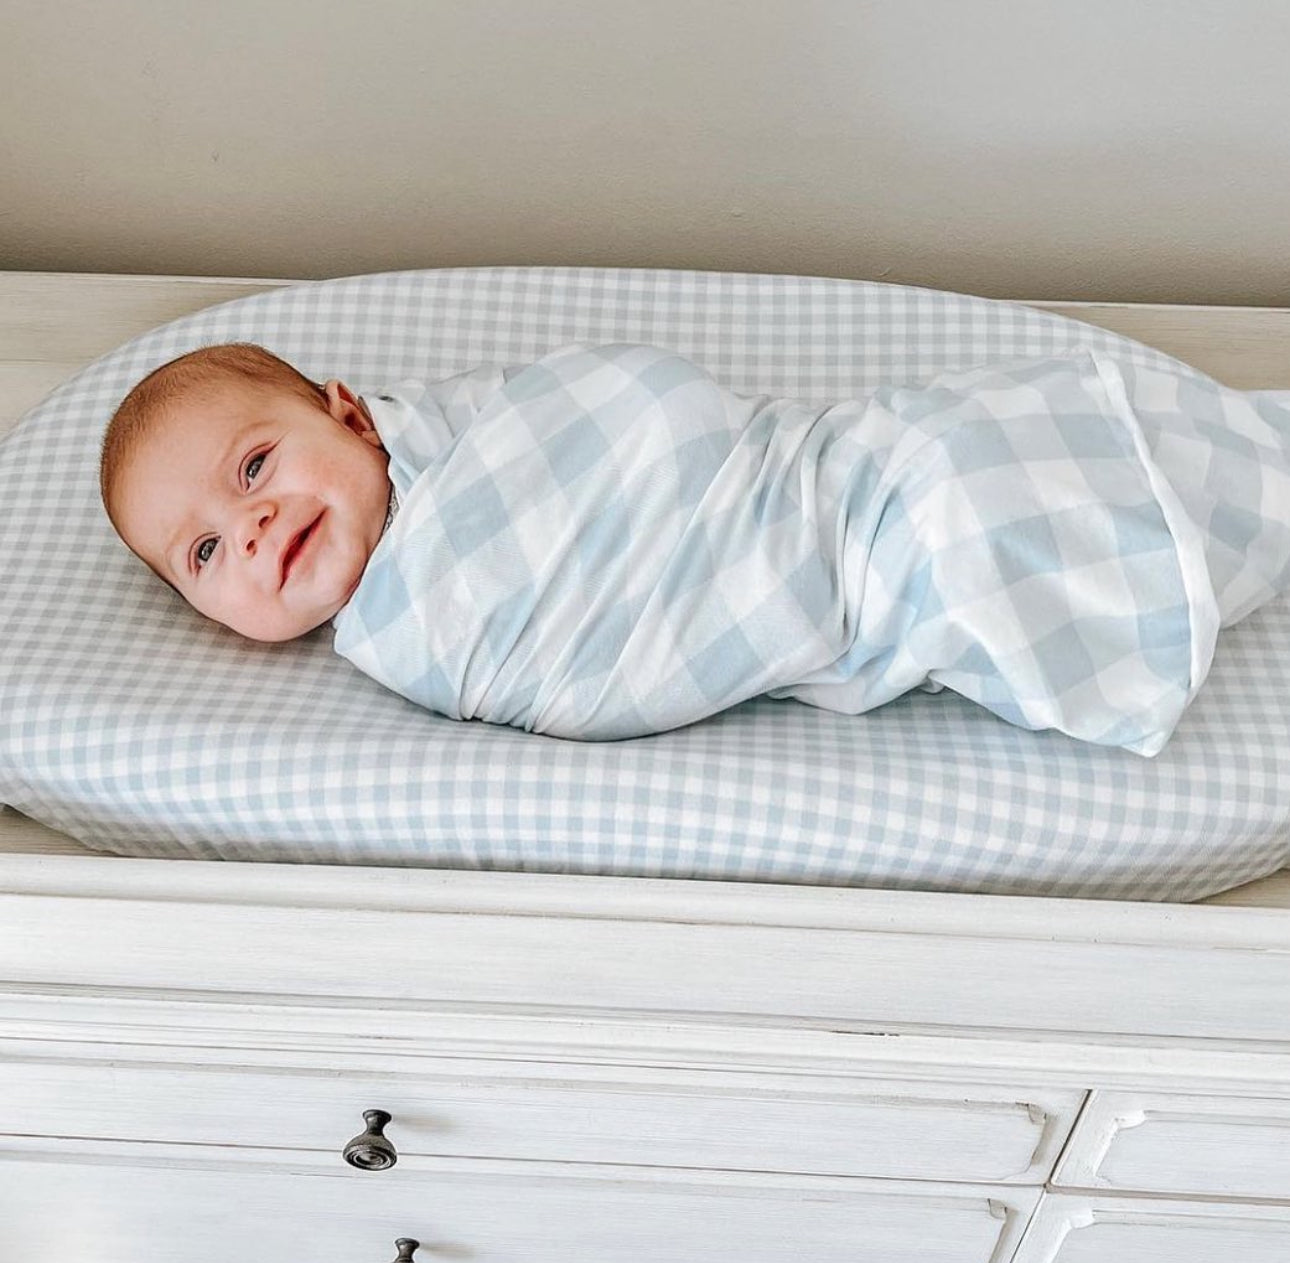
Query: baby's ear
(347, 408)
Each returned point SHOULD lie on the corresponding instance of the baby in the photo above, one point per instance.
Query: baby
(258, 495)
(606, 543)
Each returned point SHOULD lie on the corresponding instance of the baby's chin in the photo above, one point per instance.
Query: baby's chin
(279, 633)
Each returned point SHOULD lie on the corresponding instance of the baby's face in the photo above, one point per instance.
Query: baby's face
(261, 507)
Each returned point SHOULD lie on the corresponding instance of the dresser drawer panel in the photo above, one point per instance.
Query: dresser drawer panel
(1149, 1142)
(565, 1113)
(1068, 1228)
(124, 1207)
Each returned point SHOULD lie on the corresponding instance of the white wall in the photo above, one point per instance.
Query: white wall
(1105, 149)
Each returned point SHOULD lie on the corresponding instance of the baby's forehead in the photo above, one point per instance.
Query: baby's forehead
(193, 410)
(215, 403)
(224, 385)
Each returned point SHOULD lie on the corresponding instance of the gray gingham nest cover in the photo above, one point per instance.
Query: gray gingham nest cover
(137, 727)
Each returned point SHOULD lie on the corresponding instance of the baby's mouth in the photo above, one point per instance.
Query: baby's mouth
(295, 548)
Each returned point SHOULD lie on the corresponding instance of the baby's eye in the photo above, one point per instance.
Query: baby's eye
(205, 550)
(253, 466)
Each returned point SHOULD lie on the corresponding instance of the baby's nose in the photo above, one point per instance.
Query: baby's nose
(254, 524)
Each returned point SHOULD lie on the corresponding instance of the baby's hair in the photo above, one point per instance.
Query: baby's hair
(151, 399)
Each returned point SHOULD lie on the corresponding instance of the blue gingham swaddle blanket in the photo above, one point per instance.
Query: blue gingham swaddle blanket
(606, 543)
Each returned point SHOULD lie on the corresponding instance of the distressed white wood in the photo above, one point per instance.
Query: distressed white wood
(1153, 1142)
(1069, 1228)
(194, 1030)
(734, 1120)
(137, 1202)
(22, 836)
(658, 947)
(590, 898)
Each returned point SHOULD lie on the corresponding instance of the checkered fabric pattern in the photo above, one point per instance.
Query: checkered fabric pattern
(131, 723)
(609, 545)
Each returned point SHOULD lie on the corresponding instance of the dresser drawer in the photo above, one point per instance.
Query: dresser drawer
(1149, 1142)
(118, 1204)
(1069, 1228)
(560, 1112)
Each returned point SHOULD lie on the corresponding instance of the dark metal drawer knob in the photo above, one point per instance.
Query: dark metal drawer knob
(371, 1151)
(405, 1247)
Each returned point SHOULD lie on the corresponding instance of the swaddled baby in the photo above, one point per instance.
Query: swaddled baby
(606, 543)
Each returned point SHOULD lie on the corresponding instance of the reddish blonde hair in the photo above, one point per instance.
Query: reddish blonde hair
(153, 398)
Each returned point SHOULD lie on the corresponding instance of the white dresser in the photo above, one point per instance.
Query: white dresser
(616, 1069)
